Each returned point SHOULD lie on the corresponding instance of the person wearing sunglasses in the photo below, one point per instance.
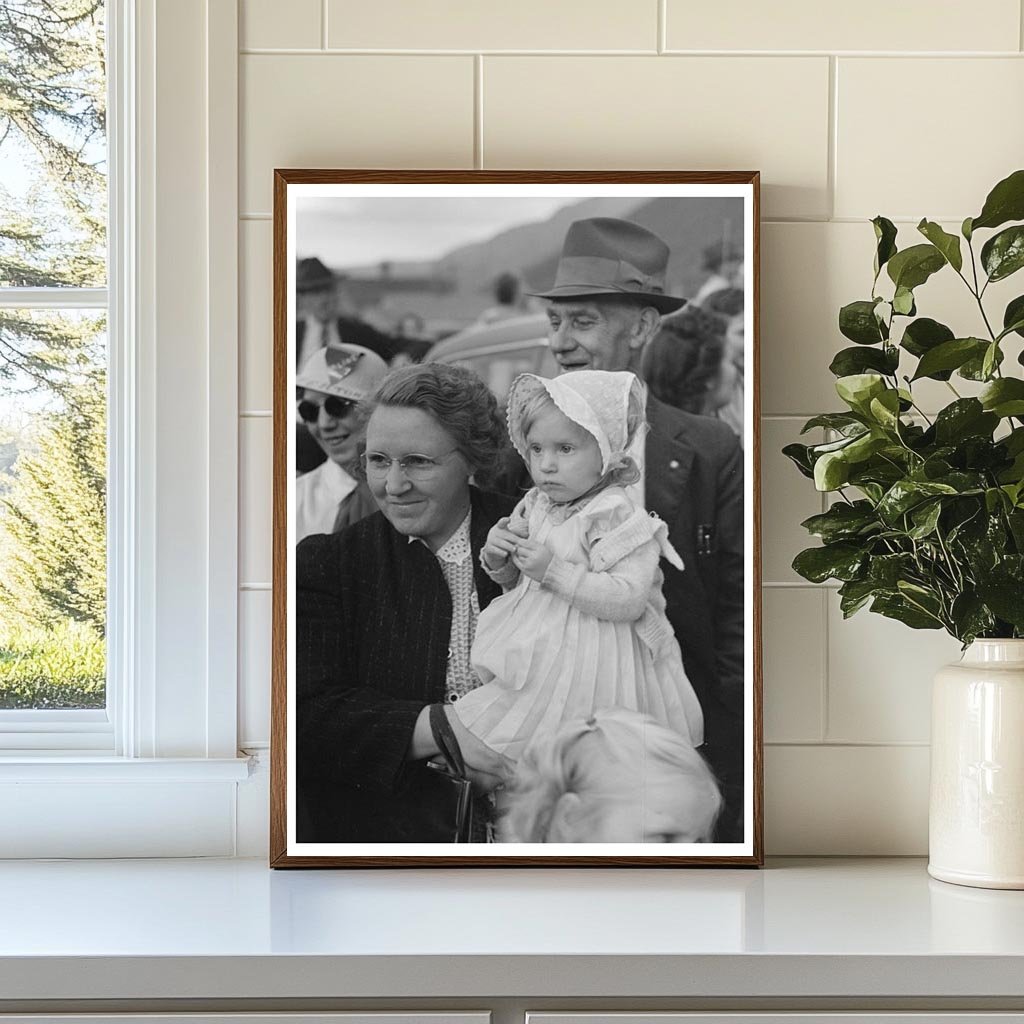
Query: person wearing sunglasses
(386, 612)
(331, 386)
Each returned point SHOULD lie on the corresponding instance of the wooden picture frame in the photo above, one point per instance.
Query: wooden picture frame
(392, 236)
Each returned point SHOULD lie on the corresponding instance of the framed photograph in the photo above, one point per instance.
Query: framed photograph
(516, 588)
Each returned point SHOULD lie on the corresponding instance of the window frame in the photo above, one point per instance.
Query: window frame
(170, 767)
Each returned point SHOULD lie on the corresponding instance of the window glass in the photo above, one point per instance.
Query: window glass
(53, 389)
(53, 152)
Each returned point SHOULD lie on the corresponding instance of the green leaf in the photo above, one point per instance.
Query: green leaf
(1013, 318)
(899, 608)
(966, 417)
(950, 355)
(858, 389)
(857, 321)
(854, 594)
(990, 360)
(885, 409)
(1004, 397)
(849, 361)
(1005, 202)
(947, 244)
(965, 229)
(923, 335)
(799, 455)
(833, 421)
(839, 561)
(843, 521)
(885, 236)
(903, 302)
(907, 494)
(925, 518)
(974, 368)
(913, 266)
(831, 471)
(885, 571)
(1003, 254)
(970, 617)
(1006, 599)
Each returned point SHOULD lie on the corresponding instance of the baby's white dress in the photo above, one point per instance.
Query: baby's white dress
(592, 634)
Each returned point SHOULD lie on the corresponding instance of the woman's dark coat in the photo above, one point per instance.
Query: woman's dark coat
(373, 620)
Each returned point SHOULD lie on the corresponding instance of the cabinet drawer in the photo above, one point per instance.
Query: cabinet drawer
(933, 1017)
(358, 1017)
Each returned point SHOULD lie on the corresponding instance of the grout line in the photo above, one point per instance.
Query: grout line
(832, 169)
(259, 51)
(346, 51)
(255, 414)
(323, 24)
(851, 744)
(800, 584)
(824, 722)
(254, 586)
(478, 112)
(663, 26)
(255, 216)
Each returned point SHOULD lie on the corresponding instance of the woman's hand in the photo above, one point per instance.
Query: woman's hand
(485, 768)
(500, 545)
(532, 559)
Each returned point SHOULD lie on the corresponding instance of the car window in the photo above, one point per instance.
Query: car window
(499, 369)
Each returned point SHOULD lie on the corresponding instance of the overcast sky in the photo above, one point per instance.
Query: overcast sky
(352, 231)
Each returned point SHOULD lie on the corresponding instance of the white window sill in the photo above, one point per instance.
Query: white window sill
(76, 766)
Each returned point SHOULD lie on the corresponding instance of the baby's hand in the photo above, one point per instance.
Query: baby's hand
(500, 545)
(532, 559)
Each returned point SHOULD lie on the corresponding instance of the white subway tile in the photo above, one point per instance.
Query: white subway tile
(356, 111)
(794, 663)
(255, 511)
(879, 677)
(471, 25)
(787, 499)
(926, 137)
(254, 629)
(846, 801)
(678, 113)
(255, 320)
(269, 24)
(869, 25)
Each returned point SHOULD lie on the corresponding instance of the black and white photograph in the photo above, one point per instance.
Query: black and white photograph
(516, 574)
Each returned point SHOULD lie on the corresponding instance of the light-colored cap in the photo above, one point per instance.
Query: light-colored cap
(345, 371)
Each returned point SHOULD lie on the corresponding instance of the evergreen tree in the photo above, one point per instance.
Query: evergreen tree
(53, 519)
(52, 124)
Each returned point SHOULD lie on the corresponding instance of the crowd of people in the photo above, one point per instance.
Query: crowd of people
(547, 601)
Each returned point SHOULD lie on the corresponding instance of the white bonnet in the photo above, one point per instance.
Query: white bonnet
(598, 400)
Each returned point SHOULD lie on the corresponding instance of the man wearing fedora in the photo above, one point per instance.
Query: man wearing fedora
(606, 304)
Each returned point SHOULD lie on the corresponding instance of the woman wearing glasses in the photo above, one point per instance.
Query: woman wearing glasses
(386, 612)
(332, 383)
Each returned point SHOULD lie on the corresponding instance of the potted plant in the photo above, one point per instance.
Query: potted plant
(927, 521)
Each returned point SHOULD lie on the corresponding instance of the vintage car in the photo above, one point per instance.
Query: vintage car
(500, 351)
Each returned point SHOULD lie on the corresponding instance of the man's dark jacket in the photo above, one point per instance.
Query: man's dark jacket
(693, 479)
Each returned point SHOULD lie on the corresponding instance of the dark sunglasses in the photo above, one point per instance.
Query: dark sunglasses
(337, 408)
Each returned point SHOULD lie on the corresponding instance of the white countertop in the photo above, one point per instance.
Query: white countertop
(234, 929)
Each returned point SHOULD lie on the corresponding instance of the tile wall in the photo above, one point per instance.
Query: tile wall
(908, 110)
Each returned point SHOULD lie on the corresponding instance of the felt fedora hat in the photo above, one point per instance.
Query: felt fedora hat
(312, 276)
(604, 256)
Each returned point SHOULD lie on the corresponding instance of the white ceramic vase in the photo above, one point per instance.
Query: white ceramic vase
(976, 814)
